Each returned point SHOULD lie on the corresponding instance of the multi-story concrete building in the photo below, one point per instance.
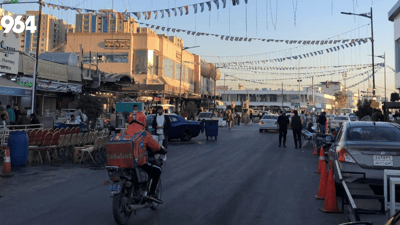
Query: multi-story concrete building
(114, 22)
(53, 33)
(394, 16)
(277, 98)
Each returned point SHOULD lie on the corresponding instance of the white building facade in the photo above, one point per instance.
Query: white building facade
(394, 16)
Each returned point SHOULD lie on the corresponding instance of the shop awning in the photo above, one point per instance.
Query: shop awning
(8, 87)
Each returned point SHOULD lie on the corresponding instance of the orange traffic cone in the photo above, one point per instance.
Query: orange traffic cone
(315, 150)
(331, 205)
(321, 160)
(7, 164)
(322, 181)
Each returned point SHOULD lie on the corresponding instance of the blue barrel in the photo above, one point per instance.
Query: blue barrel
(18, 143)
(211, 127)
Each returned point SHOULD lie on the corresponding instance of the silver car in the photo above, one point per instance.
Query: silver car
(366, 148)
(268, 122)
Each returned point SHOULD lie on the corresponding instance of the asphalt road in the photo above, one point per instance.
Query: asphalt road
(243, 178)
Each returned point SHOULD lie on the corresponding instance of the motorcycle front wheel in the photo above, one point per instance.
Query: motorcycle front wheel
(120, 212)
(154, 206)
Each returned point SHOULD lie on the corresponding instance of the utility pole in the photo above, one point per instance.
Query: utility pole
(37, 58)
(313, 90)
(180, 83)
(384, 64)
(282, 95)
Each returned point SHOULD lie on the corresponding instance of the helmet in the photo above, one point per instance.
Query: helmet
(137, 117)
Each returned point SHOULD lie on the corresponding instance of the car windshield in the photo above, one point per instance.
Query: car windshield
(204, 115)
(341, 118)
(269, 117)
(373, 133)
(353, 118)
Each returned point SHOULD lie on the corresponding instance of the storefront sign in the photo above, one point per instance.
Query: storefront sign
(46, 69)
(128, 106)
(15, 91)
(25, 81)
(117, 43)
(59, 87)
(9, 59)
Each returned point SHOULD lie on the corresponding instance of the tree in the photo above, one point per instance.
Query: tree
(341, 99)
(91, 106)
(364, 108)
(394, 97)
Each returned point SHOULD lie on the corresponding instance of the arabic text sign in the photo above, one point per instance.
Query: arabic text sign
(15, 91)
(9, 60)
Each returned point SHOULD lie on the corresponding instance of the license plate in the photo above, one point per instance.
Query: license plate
(114, 187)
(383, 160)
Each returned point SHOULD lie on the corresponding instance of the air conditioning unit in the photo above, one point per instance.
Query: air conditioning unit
(145, 30)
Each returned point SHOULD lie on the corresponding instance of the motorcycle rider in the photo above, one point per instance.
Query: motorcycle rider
(137, 123)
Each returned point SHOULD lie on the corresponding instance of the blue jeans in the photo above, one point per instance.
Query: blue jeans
(322, 128)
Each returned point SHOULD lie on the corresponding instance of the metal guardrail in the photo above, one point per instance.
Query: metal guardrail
(387, 174)
(5, 130)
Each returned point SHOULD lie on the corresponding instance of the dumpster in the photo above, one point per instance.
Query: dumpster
(211, 128)
(18, 144)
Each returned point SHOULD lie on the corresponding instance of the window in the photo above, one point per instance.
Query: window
(168, 68)
(44, 22)
(42, 34)
(42, 39)
(86, 28)
(44, 17)
(140, 61)
(93, 23)
(105, 25)
(273, 98)
(43, 28)
(42, 45)
(86, 23)
(86, 17)
(178, 71)
(41, 50)
(173, 119)
(34, 45)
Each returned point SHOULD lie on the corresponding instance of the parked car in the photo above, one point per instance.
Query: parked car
(180, 128)
(267, 122)
(338, 120)
(205, 115)
(367, 148)
(222, 122)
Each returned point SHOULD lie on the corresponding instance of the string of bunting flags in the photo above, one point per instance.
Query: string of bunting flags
(295, 78)
(147, 15)
(235, 38)
(297, 57)
(256, 69)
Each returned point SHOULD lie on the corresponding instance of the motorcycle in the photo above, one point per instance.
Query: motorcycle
(129, 188)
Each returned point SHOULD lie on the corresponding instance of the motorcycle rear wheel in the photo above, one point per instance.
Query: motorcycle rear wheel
(154, 206)
(121, 215)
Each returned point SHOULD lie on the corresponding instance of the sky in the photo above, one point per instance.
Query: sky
(269, 19)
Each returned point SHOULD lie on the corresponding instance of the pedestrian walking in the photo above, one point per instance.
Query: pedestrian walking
(161, 124)
(297, 125)
(238, 118)
(34, 120)
(322, 123)
(229, 118)
(17, 111)
(283, 122)
(11, 114)
(251, 116)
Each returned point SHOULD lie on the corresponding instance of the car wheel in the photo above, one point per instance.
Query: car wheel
(186, 135)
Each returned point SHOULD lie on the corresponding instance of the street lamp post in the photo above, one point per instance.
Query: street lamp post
(368, 15)
(180, 77)
(299, 92)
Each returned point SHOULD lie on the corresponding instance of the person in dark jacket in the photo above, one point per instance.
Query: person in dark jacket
(23, 119)
(322, 123)
(283, 122)
(297, 125)
(161, 124)
(34, 120)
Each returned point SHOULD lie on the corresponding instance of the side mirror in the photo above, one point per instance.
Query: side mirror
(328, 138)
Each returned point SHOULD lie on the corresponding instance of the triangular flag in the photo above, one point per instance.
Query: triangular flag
(223, 3)
(155, 14)
(168, 29)
(79, 10)
(162, 28)
(174, 10)
(245, 1)
(138, 15)
(162, 13)
(169, 14)
(209, 5)
(202, 7)
(195, 8)
(149, 15)
(187, 10)
(216, 3)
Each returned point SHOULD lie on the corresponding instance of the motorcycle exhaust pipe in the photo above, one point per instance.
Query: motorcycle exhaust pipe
(131, 208)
